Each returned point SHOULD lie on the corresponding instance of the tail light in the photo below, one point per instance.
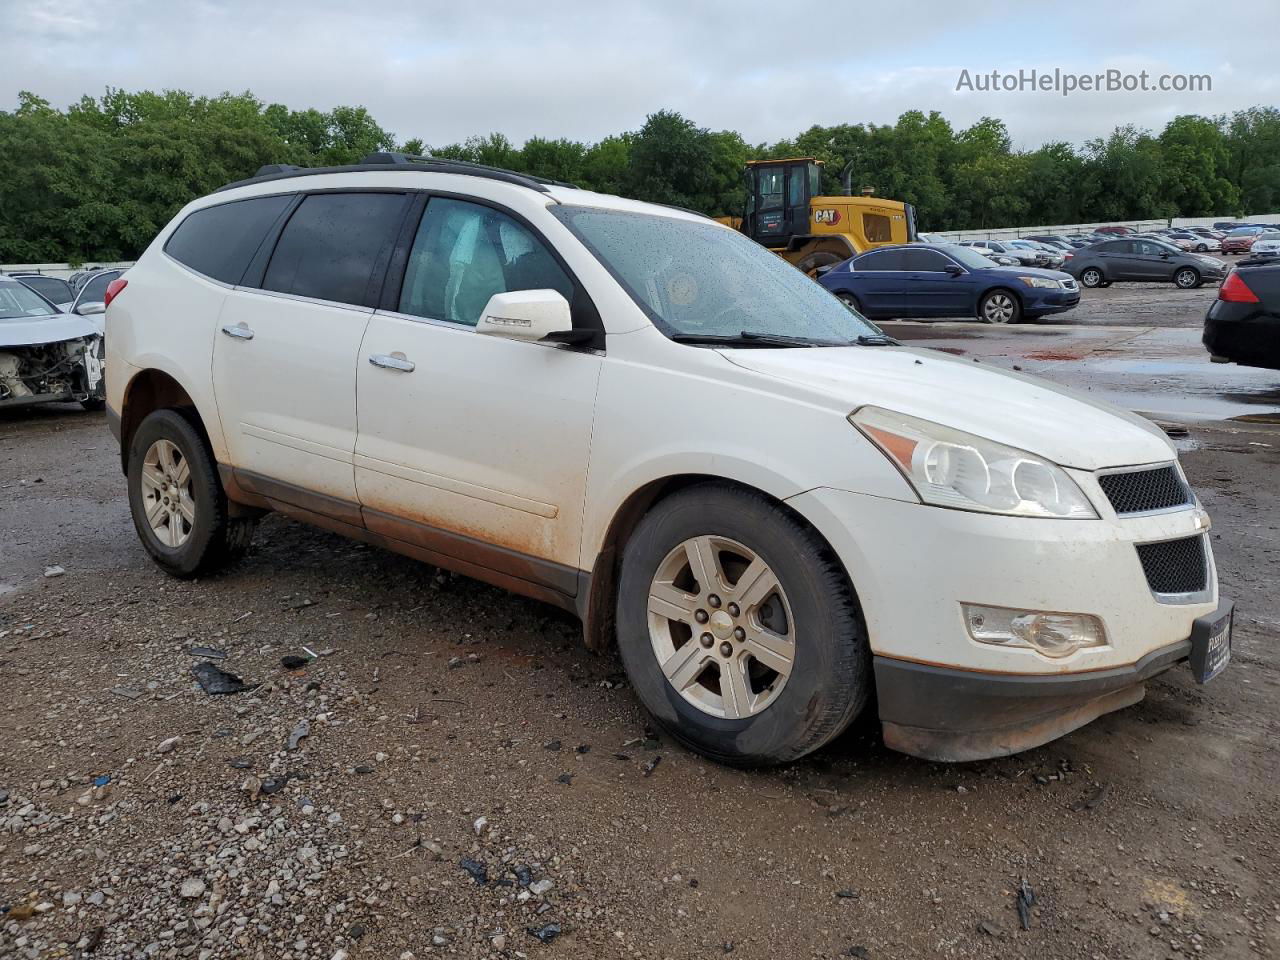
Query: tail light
(1235, 290)
(113, 288)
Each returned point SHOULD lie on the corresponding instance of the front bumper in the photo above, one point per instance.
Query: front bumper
(913, 566)
(1051, 301)
(944, 714)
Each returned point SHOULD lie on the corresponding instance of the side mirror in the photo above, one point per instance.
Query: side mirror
(531, 315)
(1164, 254)
(954, 269)
(91, 309)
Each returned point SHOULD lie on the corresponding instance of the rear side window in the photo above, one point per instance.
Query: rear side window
(879, 260)
(331, 246)
(59, 291)
(220, 241)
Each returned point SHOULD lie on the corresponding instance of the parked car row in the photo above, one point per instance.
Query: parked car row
(83, 292)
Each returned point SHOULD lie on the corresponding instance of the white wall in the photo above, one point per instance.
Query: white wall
(1012, 233)
(62, 270)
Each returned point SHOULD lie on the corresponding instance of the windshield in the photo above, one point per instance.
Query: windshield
(697, 278)
(17, 301)
(967, 256)
(50, 287)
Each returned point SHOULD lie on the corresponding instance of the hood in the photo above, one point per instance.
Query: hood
(1011, 408)
(54, 328)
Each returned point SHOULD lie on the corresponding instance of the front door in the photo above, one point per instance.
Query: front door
(929, 290)
(474, 446)
(285, 357)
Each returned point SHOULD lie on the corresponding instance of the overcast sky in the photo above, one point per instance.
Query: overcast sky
(555, 68)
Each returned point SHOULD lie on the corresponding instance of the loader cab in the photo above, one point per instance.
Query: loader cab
(778, 199)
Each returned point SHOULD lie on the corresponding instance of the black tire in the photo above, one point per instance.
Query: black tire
(1202, 248)
(1000, 306)
(1187, 278)
(94, 404)
(830, 681)
(1092, 277)
(848, 298)
(216, 539)
(821, 258)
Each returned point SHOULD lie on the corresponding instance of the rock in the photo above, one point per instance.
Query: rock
(166, 746)
(547, 933)
(479, 872)
(294, 662)
(54, 571)
(481, 826)
(303, 729)
(71, 899)
(499, 942)
(542, 886)
(192, 888)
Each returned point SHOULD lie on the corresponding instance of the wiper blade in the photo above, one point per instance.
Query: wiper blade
(750, 337)
(877, 340)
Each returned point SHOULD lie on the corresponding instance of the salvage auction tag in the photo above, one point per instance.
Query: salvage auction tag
(1211, 644)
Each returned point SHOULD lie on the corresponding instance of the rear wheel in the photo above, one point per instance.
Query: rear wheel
(179, 508)
(816, 261)
(1092, 277)
(1187, 278)
(738, 628)
(1000, 306)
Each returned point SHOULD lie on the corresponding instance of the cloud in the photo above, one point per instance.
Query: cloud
(443, 71)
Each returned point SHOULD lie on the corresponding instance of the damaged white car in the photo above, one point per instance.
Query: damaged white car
(47, 356)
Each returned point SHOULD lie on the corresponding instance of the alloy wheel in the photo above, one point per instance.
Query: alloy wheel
(721, 627)
(167, 497)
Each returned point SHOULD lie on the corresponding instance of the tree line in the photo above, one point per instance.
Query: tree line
(97, 180)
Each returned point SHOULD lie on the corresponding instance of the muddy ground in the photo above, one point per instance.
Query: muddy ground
(438, 701)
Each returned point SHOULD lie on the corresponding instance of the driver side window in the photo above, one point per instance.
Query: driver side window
(464, 253)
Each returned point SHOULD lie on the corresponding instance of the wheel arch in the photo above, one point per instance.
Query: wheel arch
(597, 599)
(149, 390)
(992, 288)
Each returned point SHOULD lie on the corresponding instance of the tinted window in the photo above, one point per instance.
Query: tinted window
(331, 245)
(924, 260)
(1116, 246)
(464, 253)
(59, 291)
(220, 241)
(877, 228)
(879, 260)
(95, 291)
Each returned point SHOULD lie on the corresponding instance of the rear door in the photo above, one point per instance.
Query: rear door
(880, 283)
(1116, 257)
(284, 363)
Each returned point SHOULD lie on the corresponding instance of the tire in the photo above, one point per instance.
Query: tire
(1092, 277)
(1202, 248)
(849, 299)
(203, 538)
(821, 258)
(812, 612)
(94, 404)
(999, 306)
(1187, 278)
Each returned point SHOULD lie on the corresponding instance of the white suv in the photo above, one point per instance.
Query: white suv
(637, 414)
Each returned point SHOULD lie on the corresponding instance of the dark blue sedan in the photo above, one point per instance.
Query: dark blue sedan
(945, 280)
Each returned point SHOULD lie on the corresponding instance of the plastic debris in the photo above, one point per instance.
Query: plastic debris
(129, 693)
(479, 872)
(545, 934)
(1026, 900)
(292, 661)
(213, 653)
(649, 767)
(102, 780)
(524, 876)
(301, 730)
(214, 680)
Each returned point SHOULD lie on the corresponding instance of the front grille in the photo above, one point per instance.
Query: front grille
(1175, 566)
(1069, 284)
(1139, 491)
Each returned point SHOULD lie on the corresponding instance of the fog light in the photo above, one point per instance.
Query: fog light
(1052, 634)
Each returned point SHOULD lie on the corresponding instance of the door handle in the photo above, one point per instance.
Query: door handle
(392, 361)
(239, 331)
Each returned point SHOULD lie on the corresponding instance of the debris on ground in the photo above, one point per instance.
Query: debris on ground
(1026, 900)
(303, 729)
(479, 872)
(652, 765)
(214, 680)
(292, 661)
(54, 571)
(547, 933)
(1094, 798)
(212, 653)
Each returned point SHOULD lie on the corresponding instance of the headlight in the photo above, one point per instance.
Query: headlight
(1040, 282)
(950, 468)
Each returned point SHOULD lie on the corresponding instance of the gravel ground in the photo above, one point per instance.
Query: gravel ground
(473, 783)
(1140, 304)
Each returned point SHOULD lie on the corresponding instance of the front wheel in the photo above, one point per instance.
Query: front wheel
(1092, 277)
(1000, 306)
(179, 508)
(738, 628)
(1187, 278)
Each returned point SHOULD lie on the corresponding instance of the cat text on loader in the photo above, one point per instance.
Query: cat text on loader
(787, 212)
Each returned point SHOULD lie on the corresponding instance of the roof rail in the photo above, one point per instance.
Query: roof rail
(388, 162)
